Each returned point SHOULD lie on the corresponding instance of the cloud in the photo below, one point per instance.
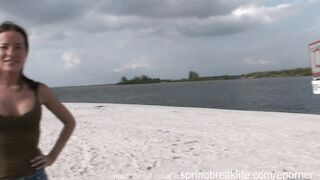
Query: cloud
(241, 19)
(313, 1)
(42, 12)
(260, 61)
(148, 17)
(135, 63)
(168, 8)
(187, 18)
(263, 13)
(71, 60)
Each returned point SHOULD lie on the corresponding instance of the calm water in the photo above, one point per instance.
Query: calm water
(270, 94)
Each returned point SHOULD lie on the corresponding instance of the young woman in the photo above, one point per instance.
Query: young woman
(20, 111)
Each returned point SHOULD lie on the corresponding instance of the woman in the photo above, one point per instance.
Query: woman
(20, 111)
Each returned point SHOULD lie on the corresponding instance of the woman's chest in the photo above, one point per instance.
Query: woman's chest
(15, 104)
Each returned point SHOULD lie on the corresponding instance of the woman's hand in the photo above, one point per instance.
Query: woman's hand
(42, 161)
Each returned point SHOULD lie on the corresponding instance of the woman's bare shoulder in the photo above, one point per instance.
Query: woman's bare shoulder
(44, 93)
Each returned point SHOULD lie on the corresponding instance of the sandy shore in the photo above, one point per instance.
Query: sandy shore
(117, 141)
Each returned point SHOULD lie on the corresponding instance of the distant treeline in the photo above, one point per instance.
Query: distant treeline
(281, 73)
(139, 80)
(194, 76)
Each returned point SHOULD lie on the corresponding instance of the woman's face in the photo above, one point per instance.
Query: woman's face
(13, 52)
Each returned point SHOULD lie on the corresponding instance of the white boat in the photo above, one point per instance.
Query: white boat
(314, 53)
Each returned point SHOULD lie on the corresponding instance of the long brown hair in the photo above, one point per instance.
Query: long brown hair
(10, 26)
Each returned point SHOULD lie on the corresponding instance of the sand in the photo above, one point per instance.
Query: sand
(120, 141)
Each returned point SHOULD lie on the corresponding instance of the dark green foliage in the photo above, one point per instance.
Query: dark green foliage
(280, 73)
(139, 80)
(194, 76)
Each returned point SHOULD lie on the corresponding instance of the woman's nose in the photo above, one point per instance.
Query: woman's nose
(10, 51)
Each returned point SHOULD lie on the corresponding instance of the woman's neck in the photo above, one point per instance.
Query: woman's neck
(10, 79)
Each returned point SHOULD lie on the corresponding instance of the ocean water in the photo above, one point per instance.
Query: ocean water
(268, 94)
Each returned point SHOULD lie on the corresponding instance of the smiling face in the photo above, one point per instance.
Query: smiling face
(13, 51)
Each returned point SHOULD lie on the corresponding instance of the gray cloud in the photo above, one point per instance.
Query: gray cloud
(42, 12)
(188, 17)
(243, 18)
(185, 17)
(169, 8)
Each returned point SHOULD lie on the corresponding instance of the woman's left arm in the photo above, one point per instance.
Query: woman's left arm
(47, 97)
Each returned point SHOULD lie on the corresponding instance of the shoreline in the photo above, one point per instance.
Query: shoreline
(195, 107)
(178, 81)
(138, 139)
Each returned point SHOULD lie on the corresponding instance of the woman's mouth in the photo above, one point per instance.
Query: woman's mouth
(10, 61)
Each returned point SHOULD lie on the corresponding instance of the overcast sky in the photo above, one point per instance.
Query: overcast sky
(81, 42)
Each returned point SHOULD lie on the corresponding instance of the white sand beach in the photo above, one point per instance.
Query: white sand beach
(120, 141)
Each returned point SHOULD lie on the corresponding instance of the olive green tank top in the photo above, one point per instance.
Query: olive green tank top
(19, 137)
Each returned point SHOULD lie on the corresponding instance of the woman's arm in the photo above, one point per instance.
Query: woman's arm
(47, 98)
